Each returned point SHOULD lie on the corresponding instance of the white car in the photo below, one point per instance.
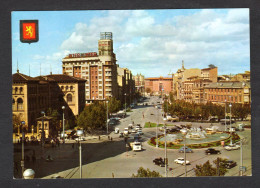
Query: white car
(80, 139)
(116, 130)
(137, 146)
(133, 131)
(140, 132)
(232, 147)
(181, 161)
(126, 131)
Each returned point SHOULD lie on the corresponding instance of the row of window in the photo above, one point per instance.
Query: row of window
(225, 97)
(17, 90)
(67, 88)
(222, 90)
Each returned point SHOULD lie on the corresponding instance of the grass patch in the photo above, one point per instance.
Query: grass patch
(151, 125)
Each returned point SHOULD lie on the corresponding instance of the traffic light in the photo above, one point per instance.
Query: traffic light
(29, 31)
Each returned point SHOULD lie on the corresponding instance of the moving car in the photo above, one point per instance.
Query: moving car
(210, 151)
(181, 161)
(80, 139)
(133, 131)
(232, 147)
(230, 164)
(137, 146)
(173, 118)
(187, 150)
(159, 161)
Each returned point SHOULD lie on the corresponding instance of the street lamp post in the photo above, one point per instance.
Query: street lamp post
(107, 116)
(63, 124)
(225, 114)
(230, 125)
(165, 143)
(22, 161)
(79, 134)
(43, 133)
(125, 102)
(185, 168)
(157, 129)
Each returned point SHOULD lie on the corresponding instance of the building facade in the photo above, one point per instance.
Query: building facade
(100, 70)
(31, 96)
(139, 83)
(232, 92)
(159, 85)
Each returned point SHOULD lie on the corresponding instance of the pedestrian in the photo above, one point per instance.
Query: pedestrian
(98, 137)
(113, 175)
(111, 138)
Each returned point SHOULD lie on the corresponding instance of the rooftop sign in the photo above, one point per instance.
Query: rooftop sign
(78, 55)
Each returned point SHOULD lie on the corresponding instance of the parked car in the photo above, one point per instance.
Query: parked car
(232, 147)
(159, 161)
(130, 126)
(137, 137)
(210, 151)
(140, 132)
(80, 139)
(181, 161)
(121, 134)
(126, 131)
(116, 130)
(230, 164)
(133, 131)
(187, 150)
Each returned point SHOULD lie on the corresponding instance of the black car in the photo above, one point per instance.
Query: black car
(212, 151)
(230, 164)
(159, 161)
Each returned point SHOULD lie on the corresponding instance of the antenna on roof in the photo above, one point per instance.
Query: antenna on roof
(17, 67)
(50, 70)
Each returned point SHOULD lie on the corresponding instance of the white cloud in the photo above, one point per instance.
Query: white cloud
(142, 44)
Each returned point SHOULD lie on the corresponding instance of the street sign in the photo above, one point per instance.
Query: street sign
(29, 31)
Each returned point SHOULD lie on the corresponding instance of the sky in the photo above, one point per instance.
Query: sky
(150, 42)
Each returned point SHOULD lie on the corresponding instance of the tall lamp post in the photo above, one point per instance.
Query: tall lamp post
(225, 114)
(166, 160)
(43, 133)
(22, 161)
(125, 102)
(63, 124)
(184, 135)
(230, 105)
(79, 134)
(157, 129)
(107, 116)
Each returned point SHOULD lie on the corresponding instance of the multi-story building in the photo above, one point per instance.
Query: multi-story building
(126, 85)
(139, 83)
(242, 77)
(188, 83)
(31, 96)
(100, 70)
(159, 85)
(234, 92)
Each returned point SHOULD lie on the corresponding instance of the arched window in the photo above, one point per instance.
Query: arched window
(69, 98)
(16, 90)
(20, 104)
(71, 87)
(13, 105)
(62, 87)
(21, 90)
(67, 87)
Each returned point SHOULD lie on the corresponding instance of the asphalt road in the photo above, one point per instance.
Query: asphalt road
(107, 159)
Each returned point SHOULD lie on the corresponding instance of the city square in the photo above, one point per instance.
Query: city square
(95, 112)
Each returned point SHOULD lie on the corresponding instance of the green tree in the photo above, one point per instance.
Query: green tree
(208, 170)
(93, 117)
(240, 111)
(197, 112)
(220, 166)
(142, 173)
(205, 170)
(113, 105)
